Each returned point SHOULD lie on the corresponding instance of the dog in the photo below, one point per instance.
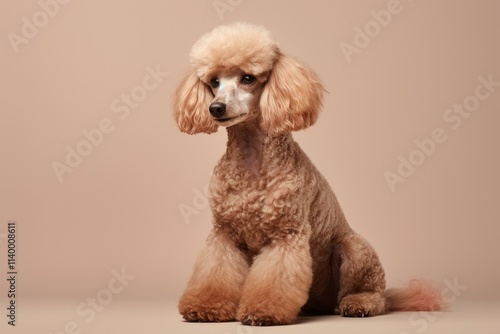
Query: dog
(280, 243)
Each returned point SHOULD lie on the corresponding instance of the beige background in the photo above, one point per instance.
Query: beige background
(119, 208)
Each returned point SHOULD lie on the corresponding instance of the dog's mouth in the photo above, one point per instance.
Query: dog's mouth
(227, 120)
(223, 120)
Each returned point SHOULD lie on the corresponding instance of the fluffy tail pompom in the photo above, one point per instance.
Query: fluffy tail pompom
(419, 295)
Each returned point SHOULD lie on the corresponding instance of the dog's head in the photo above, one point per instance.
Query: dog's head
(239, 74)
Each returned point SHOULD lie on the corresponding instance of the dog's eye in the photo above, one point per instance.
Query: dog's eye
(247, 79)
(215, 83)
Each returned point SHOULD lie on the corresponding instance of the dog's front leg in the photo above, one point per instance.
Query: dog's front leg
(214, 290)
(278, 283)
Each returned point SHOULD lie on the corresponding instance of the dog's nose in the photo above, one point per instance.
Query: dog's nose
(217, 109)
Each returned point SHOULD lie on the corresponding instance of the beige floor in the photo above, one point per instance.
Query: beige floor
(38, 317)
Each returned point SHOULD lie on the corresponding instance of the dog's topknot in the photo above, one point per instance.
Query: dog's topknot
(239, 46)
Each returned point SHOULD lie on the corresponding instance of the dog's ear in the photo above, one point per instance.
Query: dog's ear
(292, 97)
(191, 103)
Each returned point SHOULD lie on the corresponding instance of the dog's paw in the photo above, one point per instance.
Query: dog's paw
(351, 311)
(208, 311)
(361, 305)
(260, 320)
(264, 316)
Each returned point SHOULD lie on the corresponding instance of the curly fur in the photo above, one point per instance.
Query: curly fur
(280, 243)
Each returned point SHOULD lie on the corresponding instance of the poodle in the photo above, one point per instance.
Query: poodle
(280, 243)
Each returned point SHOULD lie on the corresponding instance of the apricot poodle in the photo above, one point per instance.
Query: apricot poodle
(280, 243)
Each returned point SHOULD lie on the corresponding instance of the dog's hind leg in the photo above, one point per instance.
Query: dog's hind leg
(362, 279)
(214, 290)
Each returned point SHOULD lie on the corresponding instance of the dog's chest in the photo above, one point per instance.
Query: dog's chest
(256, 194)
(244, 208)
(240, 210)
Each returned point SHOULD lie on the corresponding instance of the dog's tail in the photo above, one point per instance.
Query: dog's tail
(419, 295)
